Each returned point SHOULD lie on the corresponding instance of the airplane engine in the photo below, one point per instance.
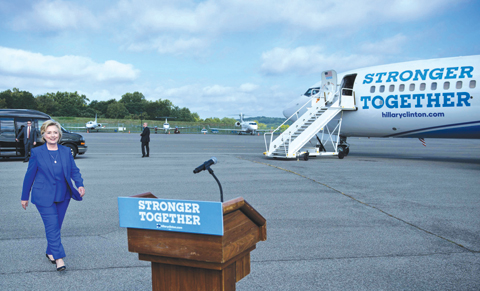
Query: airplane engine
(237, 123)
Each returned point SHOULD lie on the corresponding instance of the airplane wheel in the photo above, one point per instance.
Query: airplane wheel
(341, 152)
(347, 151)
(306, 156)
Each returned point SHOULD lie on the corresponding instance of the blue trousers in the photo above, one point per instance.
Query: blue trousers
(52, 217)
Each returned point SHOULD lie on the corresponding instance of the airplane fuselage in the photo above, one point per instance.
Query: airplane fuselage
(249, 127)
(436, 98)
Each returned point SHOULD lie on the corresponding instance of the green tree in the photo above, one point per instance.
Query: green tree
(16, 99)
(284, 127)
(100, 107)
(261, 125)
(153, 109)
(134, 102)
(117, 110)
(166, 108)
(228, 120)
(196, 117)
(3, 103)
(46, 103)
(64, 103)
(213, 120)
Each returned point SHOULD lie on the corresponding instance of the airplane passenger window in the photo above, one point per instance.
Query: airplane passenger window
(401, 88)
(412, 87)
(372, 89)
(459, 85)
(382, 88)
(473, 84)
(392, 88)
(422, 86)
(446, 85)
(434, 86)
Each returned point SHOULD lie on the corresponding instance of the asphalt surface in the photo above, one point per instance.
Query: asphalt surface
(393, 215)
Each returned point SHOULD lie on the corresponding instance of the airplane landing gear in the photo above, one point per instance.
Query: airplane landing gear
(306, 156)
(343, 147)
(341, 152)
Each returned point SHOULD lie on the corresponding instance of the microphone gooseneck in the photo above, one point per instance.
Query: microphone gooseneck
(206, 166)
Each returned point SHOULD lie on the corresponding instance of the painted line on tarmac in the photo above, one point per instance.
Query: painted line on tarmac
(364, 203)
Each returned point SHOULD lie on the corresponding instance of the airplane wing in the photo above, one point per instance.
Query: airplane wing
(228, 129)
(264, 130)
(96, 128)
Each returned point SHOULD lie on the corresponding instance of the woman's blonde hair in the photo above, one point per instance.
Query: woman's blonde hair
(49, 123)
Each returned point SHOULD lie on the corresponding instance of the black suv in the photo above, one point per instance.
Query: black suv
(12, 121)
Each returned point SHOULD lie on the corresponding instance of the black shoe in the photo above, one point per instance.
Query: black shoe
(51, 261)
(62, 268)
(143, 156)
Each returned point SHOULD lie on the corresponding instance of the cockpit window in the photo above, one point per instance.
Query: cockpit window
(312, 91)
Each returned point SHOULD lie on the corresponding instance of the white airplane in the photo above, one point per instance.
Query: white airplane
(166, 125)
(94, 125)
(247, 126)
(422, 99)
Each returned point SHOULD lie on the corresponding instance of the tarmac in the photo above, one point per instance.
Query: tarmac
(392, 215)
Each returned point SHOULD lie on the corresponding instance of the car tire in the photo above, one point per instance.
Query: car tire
(73, 150)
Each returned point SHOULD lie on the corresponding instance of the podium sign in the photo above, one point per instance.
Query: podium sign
(201, 217)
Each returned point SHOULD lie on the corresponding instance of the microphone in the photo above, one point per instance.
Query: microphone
(205, 165)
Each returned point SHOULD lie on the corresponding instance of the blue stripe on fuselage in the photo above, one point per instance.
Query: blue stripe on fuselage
(459, 130)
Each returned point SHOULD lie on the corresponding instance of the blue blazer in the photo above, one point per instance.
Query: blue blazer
(40, 171)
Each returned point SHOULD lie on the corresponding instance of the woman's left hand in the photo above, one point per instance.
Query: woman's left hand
(81, 190)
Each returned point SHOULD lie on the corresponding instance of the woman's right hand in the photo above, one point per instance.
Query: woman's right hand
(24, 204)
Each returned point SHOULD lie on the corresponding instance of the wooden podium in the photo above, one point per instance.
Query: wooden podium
(186, 261)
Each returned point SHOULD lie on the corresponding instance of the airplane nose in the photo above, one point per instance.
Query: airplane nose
(287, 112)
(293, 107)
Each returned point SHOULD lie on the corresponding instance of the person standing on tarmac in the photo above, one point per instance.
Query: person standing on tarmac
(145, 139)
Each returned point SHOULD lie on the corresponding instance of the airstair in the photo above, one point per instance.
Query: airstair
(322, 120)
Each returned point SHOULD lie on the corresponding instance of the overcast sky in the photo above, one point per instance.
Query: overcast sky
(219, 57)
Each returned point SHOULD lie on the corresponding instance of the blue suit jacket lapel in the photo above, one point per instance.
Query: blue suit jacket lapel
(46, 158)
(64, 159)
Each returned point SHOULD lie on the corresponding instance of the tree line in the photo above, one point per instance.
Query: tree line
(72, 104)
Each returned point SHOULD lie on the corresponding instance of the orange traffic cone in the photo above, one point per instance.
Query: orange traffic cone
(129, 131)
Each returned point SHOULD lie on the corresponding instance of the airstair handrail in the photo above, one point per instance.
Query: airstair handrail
(320, 95)
(278, 128)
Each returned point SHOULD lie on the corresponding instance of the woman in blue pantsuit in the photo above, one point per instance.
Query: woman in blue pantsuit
(51, 170)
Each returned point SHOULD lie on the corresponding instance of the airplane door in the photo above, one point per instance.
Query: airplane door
(329, 85)
(347, 93)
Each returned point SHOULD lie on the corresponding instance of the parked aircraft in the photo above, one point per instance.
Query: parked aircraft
(435, 98)
(166, 125)
(94, 125)
(246, 127)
